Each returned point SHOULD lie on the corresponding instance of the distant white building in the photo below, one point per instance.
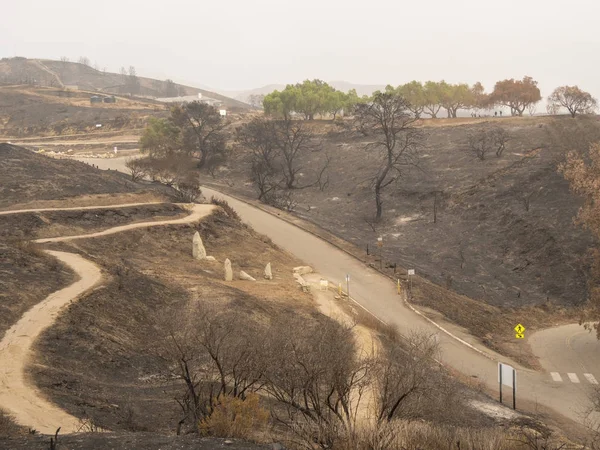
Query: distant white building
(191, 98)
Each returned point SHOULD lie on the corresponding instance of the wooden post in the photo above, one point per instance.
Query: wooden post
(514, 389)
(500, 374)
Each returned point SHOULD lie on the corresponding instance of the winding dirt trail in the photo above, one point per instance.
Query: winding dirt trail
(18, 396)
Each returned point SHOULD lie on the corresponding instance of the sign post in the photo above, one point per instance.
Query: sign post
(380, 245)
(520, 330)
(507, 376)
(348, 284)
(411, 273)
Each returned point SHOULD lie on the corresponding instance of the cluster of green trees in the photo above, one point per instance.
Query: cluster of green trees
(313, 97)
(309, 99)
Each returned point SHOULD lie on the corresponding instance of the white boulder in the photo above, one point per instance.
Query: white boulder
(303, 270)
(245, 276)
(268, 272)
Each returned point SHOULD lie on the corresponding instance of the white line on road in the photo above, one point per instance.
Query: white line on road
(573, 377)
(556, 376)
(591, 378)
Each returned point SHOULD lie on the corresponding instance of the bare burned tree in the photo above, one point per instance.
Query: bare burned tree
(480, 144)
(483, 142)
(293, 140)
(259, 137)
(214, 354)
(318, 379)
(404, 373)
(187, 186)
(277, 147)
(499, 137)
(388, 119)
(137, 168)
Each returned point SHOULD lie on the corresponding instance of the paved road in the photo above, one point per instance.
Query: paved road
(377, 294)
(569, 353)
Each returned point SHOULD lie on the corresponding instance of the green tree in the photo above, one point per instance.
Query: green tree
(478, 99)
(281, 104)
(352, 99)
(516, 94)
(454, 97)
(574, 99)
(309, 98)
(414, 94)
(195, 130)
(432, 98)
(336, 101)
(313, 98)
(202, 132)
(161, 138)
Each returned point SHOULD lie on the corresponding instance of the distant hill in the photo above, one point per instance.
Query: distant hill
(345, 86)
(50, 73)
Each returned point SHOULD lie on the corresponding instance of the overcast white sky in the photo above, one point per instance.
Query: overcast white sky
(243, 44)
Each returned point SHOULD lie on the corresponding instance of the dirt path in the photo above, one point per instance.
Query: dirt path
(18, 396)
(77, 208)
(198, 212)
(46, 69)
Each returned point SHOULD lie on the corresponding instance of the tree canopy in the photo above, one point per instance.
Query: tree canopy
(193, 129)
(516, 94)
(309, 98)
(575, 100)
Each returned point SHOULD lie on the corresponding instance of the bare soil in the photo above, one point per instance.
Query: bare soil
(98, 362)
(28, 275)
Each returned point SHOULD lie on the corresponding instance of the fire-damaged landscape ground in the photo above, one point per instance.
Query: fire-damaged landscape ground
(504, 238)
(101, 360)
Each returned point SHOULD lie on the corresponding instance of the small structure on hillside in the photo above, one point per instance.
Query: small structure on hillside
(111, 99)
(95, 99)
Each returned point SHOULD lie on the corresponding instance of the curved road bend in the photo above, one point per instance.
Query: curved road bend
(377, 294)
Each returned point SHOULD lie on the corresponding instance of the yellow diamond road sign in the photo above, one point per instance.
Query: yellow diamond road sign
(519, 329)
(520, 336)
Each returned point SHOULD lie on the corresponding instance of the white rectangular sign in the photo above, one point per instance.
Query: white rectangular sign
(411, 271)
(507, 375)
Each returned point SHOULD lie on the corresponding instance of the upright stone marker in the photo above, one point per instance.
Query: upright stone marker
(268, 272)
(228, 270)
(198, 250)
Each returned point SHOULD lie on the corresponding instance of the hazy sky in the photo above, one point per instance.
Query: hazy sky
(243, 44)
